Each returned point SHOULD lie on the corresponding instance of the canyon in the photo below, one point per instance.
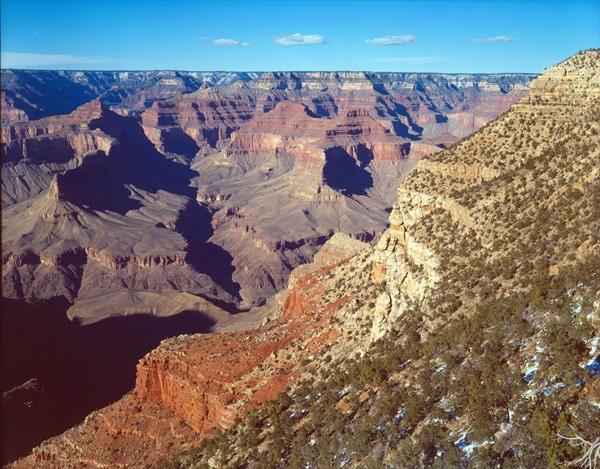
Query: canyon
(491, 246)
(193, 197)
(217, 184)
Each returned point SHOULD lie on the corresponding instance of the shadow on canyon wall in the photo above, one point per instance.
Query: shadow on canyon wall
(78, 368)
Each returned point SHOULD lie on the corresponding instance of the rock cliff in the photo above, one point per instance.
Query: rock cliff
(199, 384)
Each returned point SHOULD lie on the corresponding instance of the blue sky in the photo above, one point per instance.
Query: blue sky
(421, 36)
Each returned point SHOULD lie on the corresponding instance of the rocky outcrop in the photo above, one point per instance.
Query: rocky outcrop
(570, 83)
(192, 386)
(397, 249)
(463, 172)
(339, 248)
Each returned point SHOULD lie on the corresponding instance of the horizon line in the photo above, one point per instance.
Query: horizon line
(259, 71)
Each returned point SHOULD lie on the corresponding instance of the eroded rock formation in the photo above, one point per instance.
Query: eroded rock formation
(336, 312)
(278, 163)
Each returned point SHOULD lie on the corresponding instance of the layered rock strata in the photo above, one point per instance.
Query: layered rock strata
(196, 385)
(280, 161)
(336, 312)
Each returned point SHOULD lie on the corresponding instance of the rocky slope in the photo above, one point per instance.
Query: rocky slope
(467, 336)
(32, 154)
(232, 373)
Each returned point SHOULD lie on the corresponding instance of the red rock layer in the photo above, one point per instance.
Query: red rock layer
(292, 129)
(192, 385)
(207, 116)
(57, 138)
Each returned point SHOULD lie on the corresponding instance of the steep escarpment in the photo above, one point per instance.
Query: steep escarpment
(437, 108)
(33, 152)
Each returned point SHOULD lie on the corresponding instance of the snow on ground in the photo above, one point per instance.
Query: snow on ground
(531, 369)
(467, 446)
(593, 365)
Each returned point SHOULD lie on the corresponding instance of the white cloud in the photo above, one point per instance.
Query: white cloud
(494, 39)
(392, 40)
(299, 40)
(230, 43)
(20, 59)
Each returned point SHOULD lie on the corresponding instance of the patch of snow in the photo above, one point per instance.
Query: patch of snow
(507, 428)
(555, 387)
(593, 366)
(400, 414)
(468, 449)
(528, 394)
(443, 402)
(462, 441)
(594, 345)
(532, 366)
(529, 373)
